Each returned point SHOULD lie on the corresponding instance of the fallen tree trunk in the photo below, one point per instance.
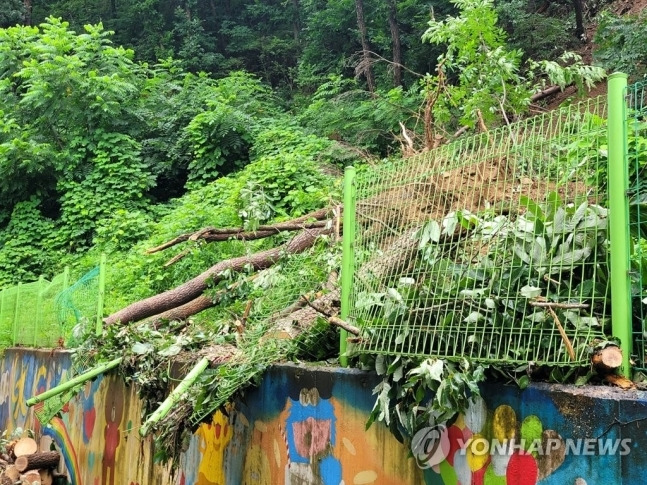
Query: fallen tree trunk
(35, 461)
(290, 326)
(193, 288)
(544, 93)
(210, 234)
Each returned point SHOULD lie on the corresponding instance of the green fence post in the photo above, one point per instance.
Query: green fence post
(102, 290)
(175, 396)
(75, 381)
(15, 314)
(348, 257)
(619, 217)
(39, 309)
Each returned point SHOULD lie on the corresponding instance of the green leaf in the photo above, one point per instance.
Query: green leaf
(533, 209)
(141, 348)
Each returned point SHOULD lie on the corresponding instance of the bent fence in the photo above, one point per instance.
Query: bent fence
(494, 247)
(38, 314)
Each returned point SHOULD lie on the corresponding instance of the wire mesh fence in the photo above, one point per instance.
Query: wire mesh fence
(273, 297)
(40, 313)
(493, 247)
(637, 163)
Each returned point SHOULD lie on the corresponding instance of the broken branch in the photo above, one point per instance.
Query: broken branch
(567, 342)
(210, 234)
(563, 306)
(193, 288)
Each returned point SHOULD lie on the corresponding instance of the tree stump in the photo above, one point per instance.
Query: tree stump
(31, 478)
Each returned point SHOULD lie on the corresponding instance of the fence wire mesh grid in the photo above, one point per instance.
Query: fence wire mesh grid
(492, 248)
(637, 164)
(38, 314)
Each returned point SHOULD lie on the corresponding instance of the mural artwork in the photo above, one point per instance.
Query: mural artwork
(307, 427)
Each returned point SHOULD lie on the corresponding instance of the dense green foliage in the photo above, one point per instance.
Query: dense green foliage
(198, 113)
(621, 43)
(94, 145)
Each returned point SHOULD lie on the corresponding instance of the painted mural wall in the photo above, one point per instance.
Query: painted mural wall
(306, 426)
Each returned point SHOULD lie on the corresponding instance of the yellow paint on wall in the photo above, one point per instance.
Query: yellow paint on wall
(364, 477)
(477, 452)
(257, 467)
(460, 422)
(214, 438)
(504, 424)
(348, 444)
(260, 425)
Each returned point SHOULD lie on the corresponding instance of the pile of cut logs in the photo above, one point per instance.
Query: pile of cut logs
(24, 464)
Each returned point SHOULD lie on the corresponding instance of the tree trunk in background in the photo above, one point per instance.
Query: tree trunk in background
(579, 19)
(366, 49)
(27, 19)
(395, 40)
(296, 21)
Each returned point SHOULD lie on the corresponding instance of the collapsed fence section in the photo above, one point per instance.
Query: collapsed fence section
(492, 248)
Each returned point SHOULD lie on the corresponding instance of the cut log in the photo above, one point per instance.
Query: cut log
(294, 324)
(5, 480)
(36, 461)
(12, 472)
(31, 478)
(25, 446)
(193, 288)
(344, 325)
(607, 360)
(549, 91)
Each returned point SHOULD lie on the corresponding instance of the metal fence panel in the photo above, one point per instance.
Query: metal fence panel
(637, 161)
(493, 247)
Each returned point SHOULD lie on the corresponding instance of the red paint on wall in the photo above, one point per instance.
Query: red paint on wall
(455, 435)
(478, 477)
(522, 469)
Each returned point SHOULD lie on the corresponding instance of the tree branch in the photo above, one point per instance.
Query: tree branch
(193, 288)
(223, 234)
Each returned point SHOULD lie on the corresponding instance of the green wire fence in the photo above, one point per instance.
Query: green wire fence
(636, 151)
(494, 247)
(38, 314)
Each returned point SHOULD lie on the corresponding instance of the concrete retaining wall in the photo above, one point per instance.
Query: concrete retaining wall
(307, 426)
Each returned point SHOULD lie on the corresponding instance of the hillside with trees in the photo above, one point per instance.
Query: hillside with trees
(201, 144)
